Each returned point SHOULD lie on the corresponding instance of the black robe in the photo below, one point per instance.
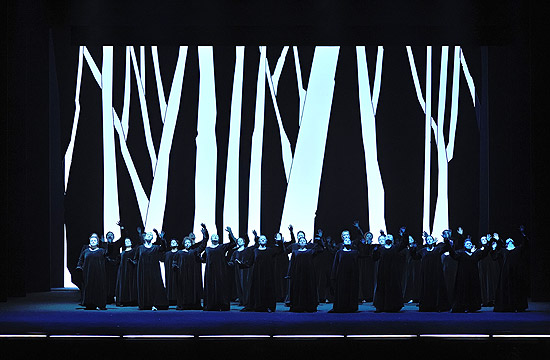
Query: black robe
(303, 289)
(94, 290)
(412, 279)
(151, 291)
(216, 292)
(467, 292)
(323, 267)
(187, 268)
(126, 286)
(511, 292)
(262, 296)
(281, 270)
(242, 275)
(488, 277)
(433, 289)
(289, 247)
(345, 277)
(111, 268)
(169, 277)
(388, 295)
(366, 278)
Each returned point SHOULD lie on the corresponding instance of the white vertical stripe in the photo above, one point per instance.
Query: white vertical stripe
(205, 176)
(301, 91)
(142, 65)
(110, 187)
(157, 202)
(126, 105)
(454, 103)
(375, 187)
(231, 195)
(427, 140)
(160, 87)
(303, 186)
(377, 78)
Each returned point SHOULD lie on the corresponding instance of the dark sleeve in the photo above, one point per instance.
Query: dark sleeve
(376, 252)
(414, 253)
(202, 245)
(481, 253)
(135, 258)
(335, 264)
(80, 263)
(451, 250)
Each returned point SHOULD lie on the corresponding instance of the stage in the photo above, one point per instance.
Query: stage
(54, 320)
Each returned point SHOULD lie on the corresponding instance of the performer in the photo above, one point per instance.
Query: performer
(126, 285)
(92, 263)
(511, 292)
(388, 295)
(169, 274)
(345, 275)
(281, 269)
(433, 290)
(111, 267)
(289, 247)
(187, 267)
(366, 268)
(216, 294)
(488, 275)
(467, 294)
(303, 292)
(151, 291)
(323, 267)
(411, 276)
(262, 297)
(450, 265)
(242, 275)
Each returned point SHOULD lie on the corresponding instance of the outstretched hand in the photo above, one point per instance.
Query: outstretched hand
(356, 223)
(254, 233)
(402, 230)
(228, 229)
(320, 232)
(460, 230)
(290, 227)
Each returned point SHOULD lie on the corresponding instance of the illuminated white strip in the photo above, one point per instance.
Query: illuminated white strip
(522, 336)
(127, 89)
(390, 336)
(308, 336)
(231, 195)
(426, 226)
(301, 91)
(160, 87)
(22, 336)
(285, 143)
(441, 217)
(377, 78)
(279, 68)
(110, 187)
(232, 336)
(255, 179)
(145, 116)
(454, 103)
(303, 186)
(469, 79)
(84, 337)
(158, 337)
(157, 201)
(375, 187)
(142, 65)
(456, 336)
(69, 152)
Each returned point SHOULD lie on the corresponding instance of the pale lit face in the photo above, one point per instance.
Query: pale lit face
(346, 238)
(389, 239)
(278, 237)
(173, 243)
(382, 240)
(483, 240)
(110, 236)
(127, 242)
(302, 242)
(187, 243)
(148, 237)
(509, 242)
(429, 240)
(262, 240)
(240, 242)
(468, 245)
(215, 239)
(301, 235)
(94, 240)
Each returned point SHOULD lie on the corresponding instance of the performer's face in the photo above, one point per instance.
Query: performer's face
(483, 240)
(346, 238)
(301, 235)
(240, 242)
(127, 242)
(429, 240)
(215, 239)
(382, 240)
(278, 237)
(110, 236)
(468, 245)
(262, 240)
(94, 240)
(173, 243)
(148, 237)
(187, 243)
(389, 240)
(302, 242)
(368, 237)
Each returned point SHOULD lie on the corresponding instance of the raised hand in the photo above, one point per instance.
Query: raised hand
(382, 232)
(402, 230)
(320, 232)
(254, 233)
(411, 240)
(496, 237)
(228, 229)
(162, 233)
(356, 223)
(460, 230)
(489, 237)
(494, 245)
(290, 228)
(156, 231)
(424, 234)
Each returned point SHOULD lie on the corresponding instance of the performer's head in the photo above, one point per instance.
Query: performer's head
(468, 244)
(483, 240)
(262, 240)
(430, 240)
(148, 237)
(346, 239)
(368, 237)
(187, 242)
(510, 244)
(174, 243)
(110, 236)
(215, 239)
(301, 234)
(382, 239)
(192, 236)
(240, 242)
(94, 240)
(278, 237)
(389, 240)
(127, 242)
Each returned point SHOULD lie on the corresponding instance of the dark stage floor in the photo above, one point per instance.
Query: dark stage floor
(44, 321)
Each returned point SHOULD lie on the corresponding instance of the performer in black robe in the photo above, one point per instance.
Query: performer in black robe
(281, 269)
(388, 295)
(450, 265)
(467, 294)
(242, 275)
(289, 247)
(111, 267)
(488, 274)
(345, 275)
(92, 263)
(262, 297)
(216, 294)
(151, 291)
(187, 267)
(511, 293)
(323, 267)
(169, 273)
(433, 290)
(411, 279)
(126, 286)
(366, 268)
(303, 289)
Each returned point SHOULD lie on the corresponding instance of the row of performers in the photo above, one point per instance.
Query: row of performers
(450, 275)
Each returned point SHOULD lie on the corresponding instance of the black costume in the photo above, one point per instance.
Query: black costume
(242, 274)
(467, 292)
(488, 277)
(151, 291)
(511, 292)
(388, 295)
(216, 294)
(323, 267)
(345, 277)
(187, 268)
(433, 290)
(94, 290)
(126, 285)
(169, 277)
(411, 279)
(303, 290)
